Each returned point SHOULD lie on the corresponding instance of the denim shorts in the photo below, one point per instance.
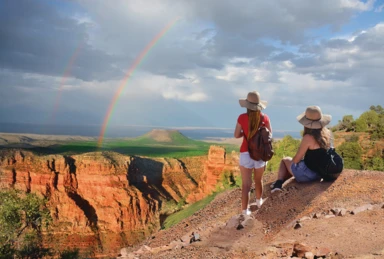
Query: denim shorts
(302, 173)
(248, 162)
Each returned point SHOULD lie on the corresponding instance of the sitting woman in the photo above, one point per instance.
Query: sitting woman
(312, 154)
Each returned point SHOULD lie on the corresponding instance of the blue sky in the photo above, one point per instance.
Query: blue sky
(296, 53)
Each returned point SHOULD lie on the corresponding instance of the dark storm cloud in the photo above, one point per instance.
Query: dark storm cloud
(36, 38)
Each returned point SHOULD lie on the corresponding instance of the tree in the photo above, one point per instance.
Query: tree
(371, 118)
(347, 123)
(378, 109)
(375, 163)
(378, 133)
(22, 219)
(351, 153)
(361, 125)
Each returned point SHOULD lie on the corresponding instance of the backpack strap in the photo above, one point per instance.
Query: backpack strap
(262, 120)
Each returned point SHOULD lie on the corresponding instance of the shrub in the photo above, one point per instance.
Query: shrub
(22, 217)
(351, 152)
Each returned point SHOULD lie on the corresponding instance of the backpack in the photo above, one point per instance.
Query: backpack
(333, 167)
(260, 144)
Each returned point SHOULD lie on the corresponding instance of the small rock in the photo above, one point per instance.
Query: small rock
(305, 218)
(185, 238)
(336, 211)
(248, 221)
(382, 206)
(309, 255)
(124, 252)
(362, 208)
(329, 216)
(297, 225)
(239, 227)
(317, 215)
(233, 222)
(342, 212)
(322, 252)
(300, 249)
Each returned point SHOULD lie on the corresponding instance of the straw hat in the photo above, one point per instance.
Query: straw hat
(253, 102)
(313, 118)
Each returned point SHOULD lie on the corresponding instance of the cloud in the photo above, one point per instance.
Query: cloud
(379, 9)
(41, 40)
(213, 55)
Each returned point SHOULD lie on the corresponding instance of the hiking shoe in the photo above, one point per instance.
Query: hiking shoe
(277, 186)
(246, 212)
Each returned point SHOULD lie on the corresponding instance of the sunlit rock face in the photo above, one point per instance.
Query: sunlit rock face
(103, 201)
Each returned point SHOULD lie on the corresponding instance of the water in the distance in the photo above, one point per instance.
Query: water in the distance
(121, 131)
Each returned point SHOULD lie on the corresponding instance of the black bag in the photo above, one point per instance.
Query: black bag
(260, 144)
(333, 167)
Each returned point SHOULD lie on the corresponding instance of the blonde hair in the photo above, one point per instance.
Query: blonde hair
(253, 122)
(322, 136)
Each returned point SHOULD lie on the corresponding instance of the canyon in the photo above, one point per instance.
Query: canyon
(102, 201)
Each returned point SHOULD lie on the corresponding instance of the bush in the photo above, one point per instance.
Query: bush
(22, 217)
(351, 153)
(287, 146)
(70, 254)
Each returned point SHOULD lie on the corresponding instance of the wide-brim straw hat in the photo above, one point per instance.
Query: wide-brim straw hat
(253, 102)
(313, 118)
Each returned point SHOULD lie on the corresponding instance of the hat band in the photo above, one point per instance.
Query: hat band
(252, 103)
(311, 119)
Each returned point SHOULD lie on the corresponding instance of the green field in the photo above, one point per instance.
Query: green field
(165, 144)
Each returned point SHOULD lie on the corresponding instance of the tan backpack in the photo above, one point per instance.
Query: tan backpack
(260, 144)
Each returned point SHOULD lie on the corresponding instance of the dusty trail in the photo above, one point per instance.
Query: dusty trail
(272, 232)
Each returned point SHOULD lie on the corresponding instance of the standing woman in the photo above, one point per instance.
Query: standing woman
(247, 125)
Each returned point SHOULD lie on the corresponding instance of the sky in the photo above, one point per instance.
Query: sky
(62, 62)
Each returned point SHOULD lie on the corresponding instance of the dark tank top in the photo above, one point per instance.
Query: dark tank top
(315, 159)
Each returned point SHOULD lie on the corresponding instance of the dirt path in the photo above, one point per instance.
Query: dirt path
(272, 232)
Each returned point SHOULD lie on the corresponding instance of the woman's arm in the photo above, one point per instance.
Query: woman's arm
(238, 131)
(268, 125)
(304, 145)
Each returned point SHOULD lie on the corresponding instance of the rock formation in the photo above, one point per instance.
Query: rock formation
(103, 201)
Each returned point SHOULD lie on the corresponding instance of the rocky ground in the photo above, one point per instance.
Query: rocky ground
(343, 219)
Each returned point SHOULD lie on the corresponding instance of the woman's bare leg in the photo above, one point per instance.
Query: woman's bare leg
(258, 177)
(285, 169)
(246, 177)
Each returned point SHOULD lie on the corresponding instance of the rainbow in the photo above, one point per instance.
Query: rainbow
(139, 59)
(66, 74)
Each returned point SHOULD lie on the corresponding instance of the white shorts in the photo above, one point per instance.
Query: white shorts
(248, 162)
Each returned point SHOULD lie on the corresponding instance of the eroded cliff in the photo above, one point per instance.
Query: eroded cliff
(103, 201)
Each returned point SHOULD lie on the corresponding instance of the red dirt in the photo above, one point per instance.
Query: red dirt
(271, 234)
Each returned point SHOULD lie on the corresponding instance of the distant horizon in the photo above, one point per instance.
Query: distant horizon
(122, 131)
(141, 125)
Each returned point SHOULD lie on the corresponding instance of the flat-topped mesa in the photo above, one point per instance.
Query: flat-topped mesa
(163, 135)
(104, 200)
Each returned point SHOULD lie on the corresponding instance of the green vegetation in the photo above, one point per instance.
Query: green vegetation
(370, 122)
(188, 211)
(226, 182)
(351, 152)
(288, 146)
(22, 220)
(175, 146)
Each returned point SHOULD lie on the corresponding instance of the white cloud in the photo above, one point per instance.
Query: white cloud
(379, 9)
(358, 5)
(219, 49)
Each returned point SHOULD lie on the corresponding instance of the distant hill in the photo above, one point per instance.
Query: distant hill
(166, 136)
